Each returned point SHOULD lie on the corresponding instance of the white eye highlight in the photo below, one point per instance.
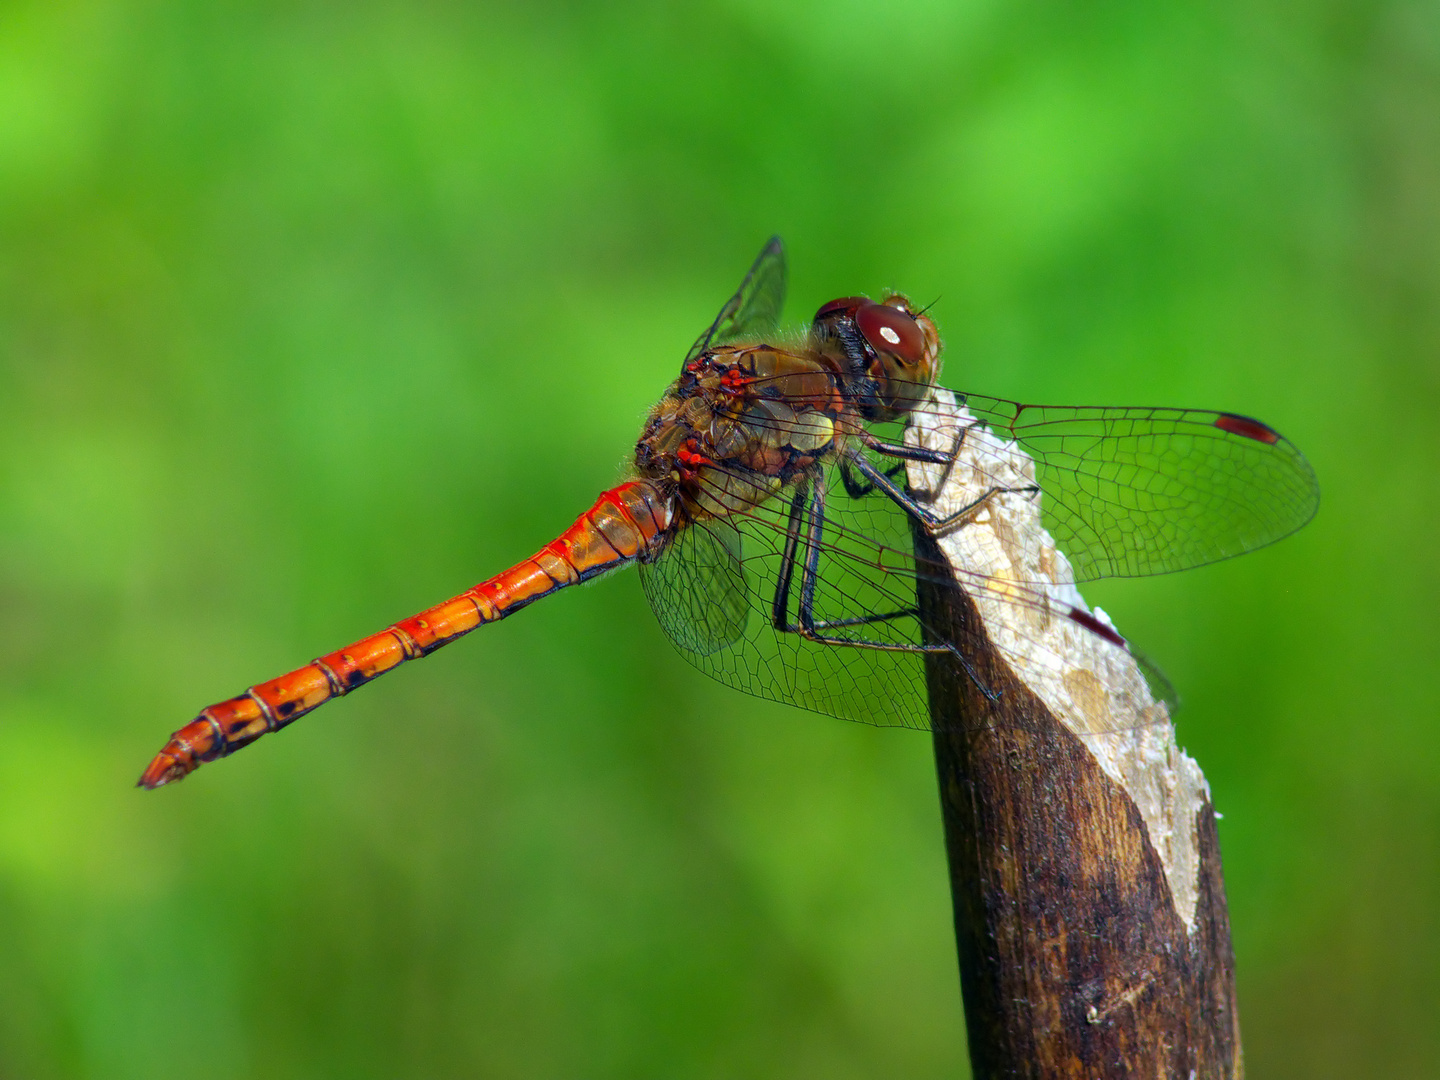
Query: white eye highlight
(891, 331)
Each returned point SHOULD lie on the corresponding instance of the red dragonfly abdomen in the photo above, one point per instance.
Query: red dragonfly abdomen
(622, 525)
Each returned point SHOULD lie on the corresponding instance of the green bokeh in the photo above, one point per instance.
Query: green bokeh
(312, 315)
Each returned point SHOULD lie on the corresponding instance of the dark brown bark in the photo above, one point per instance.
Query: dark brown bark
(1074, 960)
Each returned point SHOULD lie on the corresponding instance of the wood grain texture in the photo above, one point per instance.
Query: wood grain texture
(1085, 871)
(1074, 961)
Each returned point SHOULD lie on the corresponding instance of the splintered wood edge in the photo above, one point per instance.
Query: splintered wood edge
(1095, 688)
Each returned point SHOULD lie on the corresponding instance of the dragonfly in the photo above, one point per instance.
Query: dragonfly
(770, 515)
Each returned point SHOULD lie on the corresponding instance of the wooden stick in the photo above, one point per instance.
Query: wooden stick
(1085, 869)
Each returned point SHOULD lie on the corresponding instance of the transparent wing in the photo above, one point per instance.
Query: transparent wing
(705, 569)
(712, 611)
(715, 589)
(1135, 491)
(754, 310)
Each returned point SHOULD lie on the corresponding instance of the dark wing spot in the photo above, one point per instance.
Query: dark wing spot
(1095, 626)
(1248, 428)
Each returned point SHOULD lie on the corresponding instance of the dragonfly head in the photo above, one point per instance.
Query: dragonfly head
(891, 346)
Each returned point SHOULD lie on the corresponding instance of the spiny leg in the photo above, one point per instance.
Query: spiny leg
(858, 489)
(946, 458)
(810, 496)
(909, 453)
(780, 607)
(912, 506)
(821, 631)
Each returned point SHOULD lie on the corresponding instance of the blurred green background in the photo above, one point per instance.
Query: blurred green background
(313, 315)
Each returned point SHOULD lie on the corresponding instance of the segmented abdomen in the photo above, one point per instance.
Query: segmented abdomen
(621, 526)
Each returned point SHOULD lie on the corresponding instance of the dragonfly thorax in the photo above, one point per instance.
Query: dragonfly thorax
(740, 424)
(744, 421)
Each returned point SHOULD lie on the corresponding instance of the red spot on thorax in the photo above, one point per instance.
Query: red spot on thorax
(734, 381)
(689, 460)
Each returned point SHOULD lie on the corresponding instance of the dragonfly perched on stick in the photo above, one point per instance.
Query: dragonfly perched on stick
(771, 518)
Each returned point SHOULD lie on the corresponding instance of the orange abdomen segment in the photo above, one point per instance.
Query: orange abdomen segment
(622, 525)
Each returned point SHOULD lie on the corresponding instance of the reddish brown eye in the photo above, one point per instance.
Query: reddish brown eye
(889, 330)
(844, 305)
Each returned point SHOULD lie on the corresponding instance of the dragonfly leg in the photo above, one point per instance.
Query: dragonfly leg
(946, 458)
(911, 453)
(810, 496)
(912, 506)
(858, 489)
(823, 631)
(779, 610)
(955, 449)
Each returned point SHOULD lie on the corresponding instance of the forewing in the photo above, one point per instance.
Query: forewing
(1129, 492)
(754, 310)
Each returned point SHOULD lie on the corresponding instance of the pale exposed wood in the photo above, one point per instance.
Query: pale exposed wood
(1085, 870)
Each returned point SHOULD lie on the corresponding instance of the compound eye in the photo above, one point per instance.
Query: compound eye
(889, 330)
(843, 306)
